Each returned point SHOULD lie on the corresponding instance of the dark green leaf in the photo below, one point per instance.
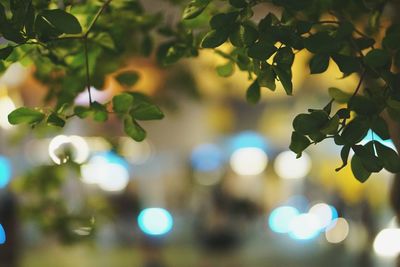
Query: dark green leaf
(55, 120)
(389, 158)
(377, 58)
(122, 103)
(319, 63)
(261, 50)
(238, 3)
(321, 42)
(299, 143)
(332, 126)
(5, 52)
(253, 93)
(285, 77)
(363, 105)
(380, 127)
(344, 154)
(62, 21)
(214, 39)
(194, 8)
(367, 156)
(224, 21)
(363, 43)
(346, 64)
(133, 129)
(266, 77)
(359, 172)
(284, 57)
(355, 131)
(310, 123)
(25, 115)
(127, 78)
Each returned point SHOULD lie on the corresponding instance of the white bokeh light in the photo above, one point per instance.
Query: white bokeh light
(58, 145)
(6, 106)
(304, 227)
(108, 175)
(324, 213)
(338, 231)
(287, 166)
(387, 243)
(249, 161)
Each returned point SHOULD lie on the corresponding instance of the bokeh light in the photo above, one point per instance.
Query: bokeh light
(287, 166)
(6, 106)
(300, 202)
(61, 145)
(5, 171)
(155, 221)
(304, 227)
(338, 231)
(249, 161)
(2, 235)
(325, 214)
(207, 158)
(248, 139)
(387, 242)
(108, 170)
(280, 219)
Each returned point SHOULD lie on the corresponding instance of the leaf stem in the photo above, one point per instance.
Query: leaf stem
(96, 17)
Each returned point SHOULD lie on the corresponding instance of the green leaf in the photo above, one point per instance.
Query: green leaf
(346, 64)
(377, 58)
(363, 105)
(100, 112)
(146, 111)
(261, 50)
(367, 156)
(321, 42)
(359, 172)
(122, 103)
(224, 21)
(338, 95)
(194, 8)
(355, 131)
(105, 40)
(299, 143)
(82, 112)
(253, 93)
(226, 70)
(310, 123)
(127, 78)
(62, 21)
(284, 57)
(214, 39)
(55, 120)
(25, 115)
(285, 77)
(238, 3)
(266, 77)
(380, 127)
(344, 154)
(332, 126)
(389, 158)
(5, 52)
(319, 63)
(133, 129)
(245, 34)
(364, 43)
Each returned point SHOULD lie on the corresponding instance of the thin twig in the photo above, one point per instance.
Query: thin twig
(339, 22)
(87, 70)
(96, 17)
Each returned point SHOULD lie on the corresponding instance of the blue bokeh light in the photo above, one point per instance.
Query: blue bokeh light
(281, 218)
(371, 135)
(300, 202)
(155, 221)
(5, 171)
(2, 235)
(207, 158)
(247, 139)
(112, 157)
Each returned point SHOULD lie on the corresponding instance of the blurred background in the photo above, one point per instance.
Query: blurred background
(213, 184)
